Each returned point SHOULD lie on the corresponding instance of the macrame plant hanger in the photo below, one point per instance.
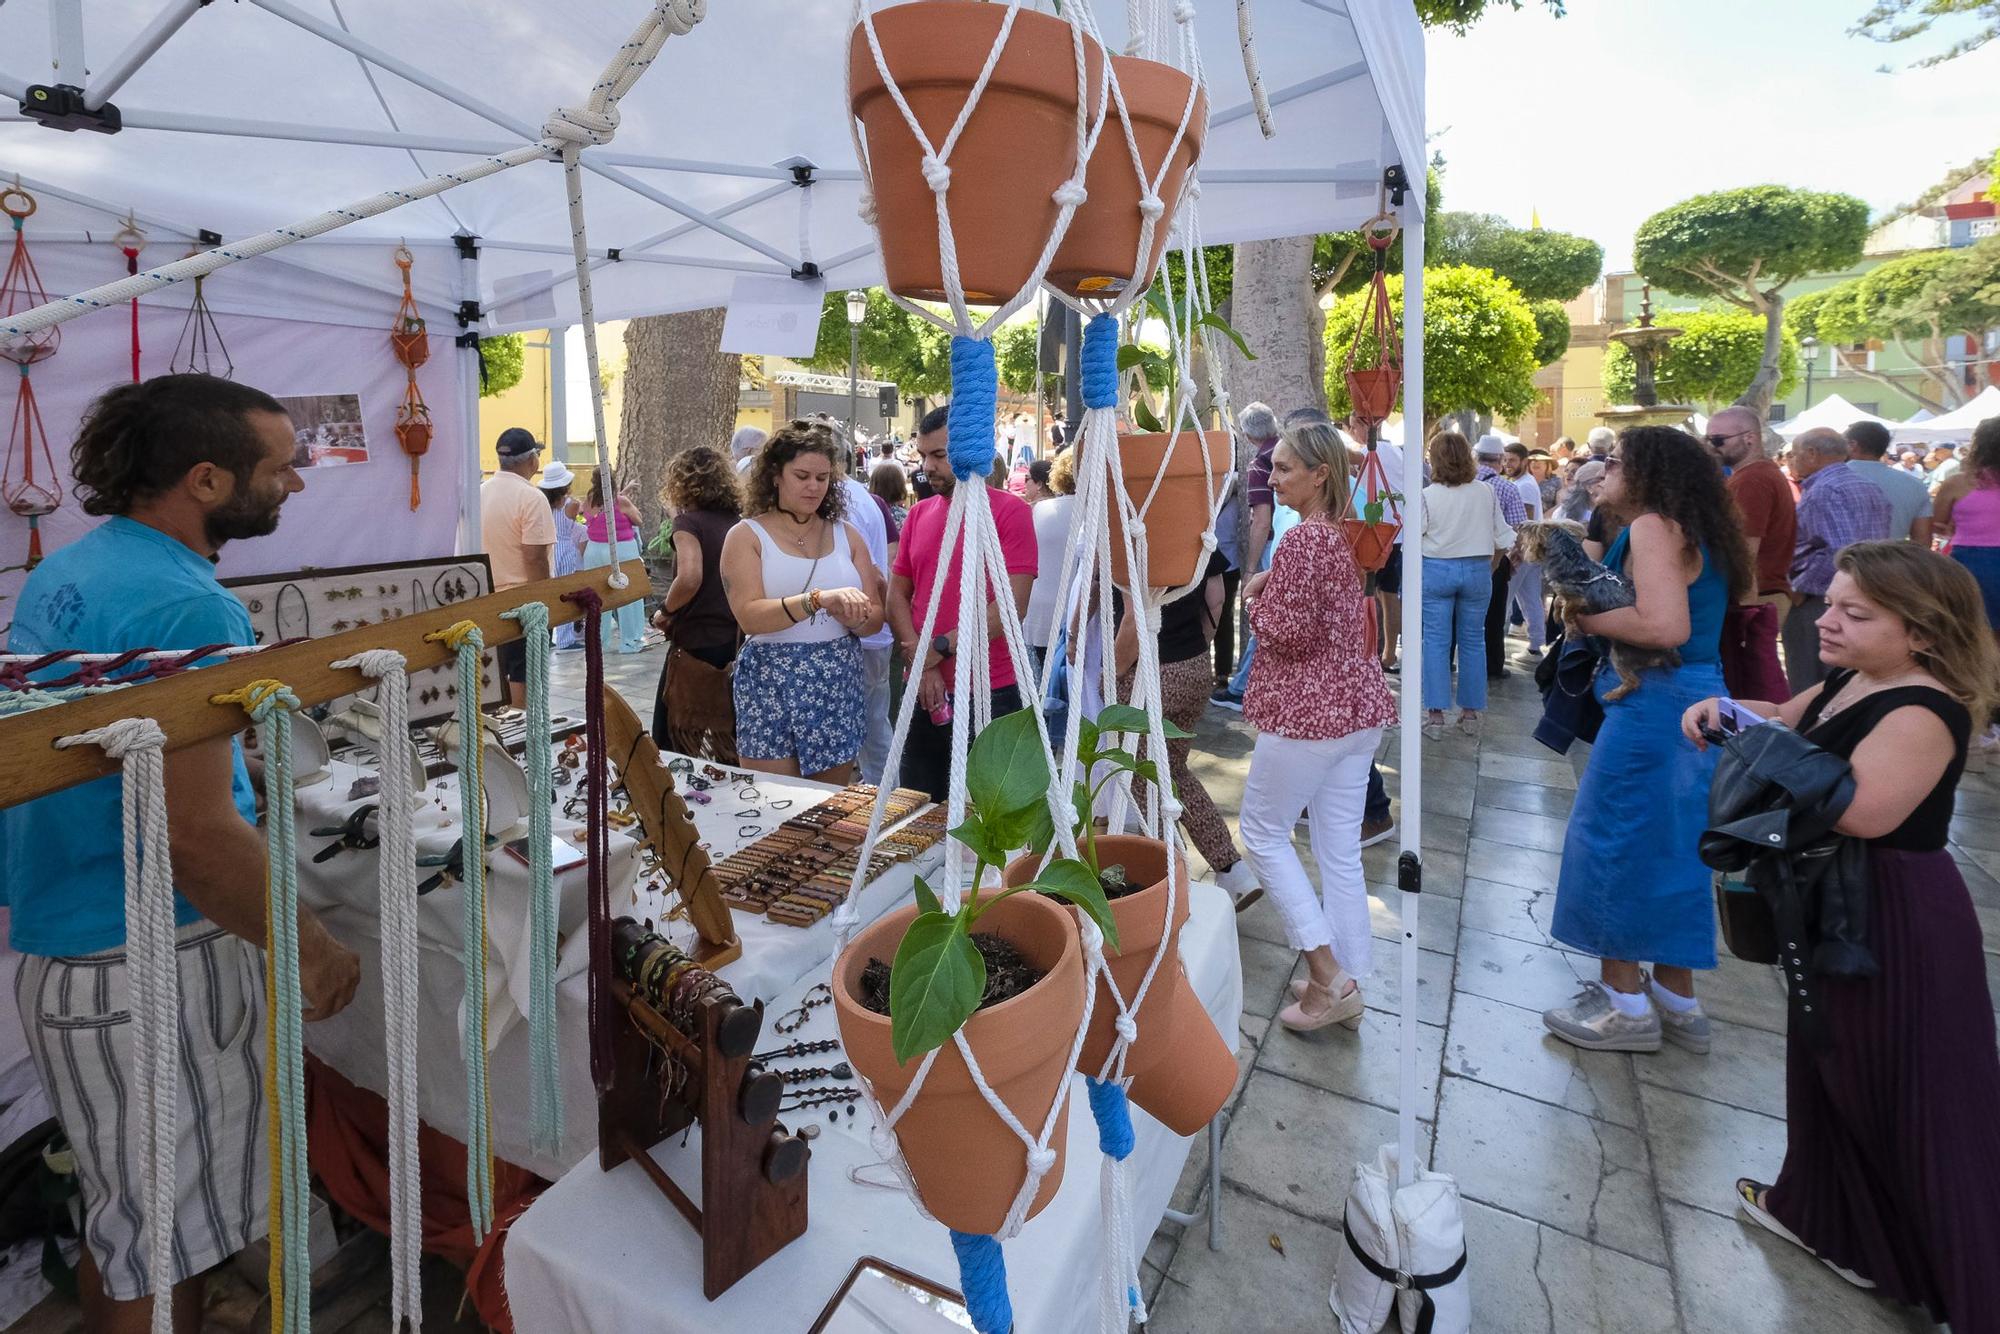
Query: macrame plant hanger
(412, 346)
(28, 481)
(130, 241)
(200, 349)
(1374, 373)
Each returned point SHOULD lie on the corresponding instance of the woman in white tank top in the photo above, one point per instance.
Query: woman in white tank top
(802, 587)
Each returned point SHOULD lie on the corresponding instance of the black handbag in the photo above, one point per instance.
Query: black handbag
(1748, 927)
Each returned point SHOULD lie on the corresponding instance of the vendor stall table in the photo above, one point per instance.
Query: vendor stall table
(605, 1251)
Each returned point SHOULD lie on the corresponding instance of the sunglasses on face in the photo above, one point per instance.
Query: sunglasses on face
(1718, 441)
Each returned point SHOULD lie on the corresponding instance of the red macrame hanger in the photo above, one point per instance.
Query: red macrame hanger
(412, 346)
(30, 494)
(131, 241)
(1371, 525)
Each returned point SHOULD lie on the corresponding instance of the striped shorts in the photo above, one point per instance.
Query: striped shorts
(74, 1011)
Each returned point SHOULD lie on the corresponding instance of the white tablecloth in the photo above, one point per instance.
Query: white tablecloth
(343, 891)
(606, 1252)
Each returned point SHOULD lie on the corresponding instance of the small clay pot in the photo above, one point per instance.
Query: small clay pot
(1371, 543)
(1017, 148)
(414, 436)
(1373, 392)
(1178, 514)
(1182, 1071)
(967, 1163)
(1101, 247)
(412, 348)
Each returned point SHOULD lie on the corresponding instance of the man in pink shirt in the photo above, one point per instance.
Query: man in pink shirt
(927, 751)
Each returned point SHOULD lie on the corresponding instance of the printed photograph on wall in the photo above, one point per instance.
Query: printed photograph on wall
(327, 428)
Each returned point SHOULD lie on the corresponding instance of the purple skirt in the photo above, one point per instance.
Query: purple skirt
(1892, 1167)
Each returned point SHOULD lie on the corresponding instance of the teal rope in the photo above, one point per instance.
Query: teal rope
(472, 802)
(544, 1070)
(272, 712)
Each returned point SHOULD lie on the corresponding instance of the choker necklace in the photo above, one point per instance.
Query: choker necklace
(798, 539)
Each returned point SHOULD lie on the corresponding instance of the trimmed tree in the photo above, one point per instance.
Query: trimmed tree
(1745, 246)
(1479, 345)
(1543, 265)
(502, 361)
(1713, 361)
(1551, 330)
(895, 345)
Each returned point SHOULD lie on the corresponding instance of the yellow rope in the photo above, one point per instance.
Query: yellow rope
(452, 636)
(251, 695)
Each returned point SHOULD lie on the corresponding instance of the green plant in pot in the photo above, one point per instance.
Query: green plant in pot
(967, 1164)
(1182, 1070)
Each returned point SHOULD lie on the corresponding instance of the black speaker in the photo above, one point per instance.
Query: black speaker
(889, 401)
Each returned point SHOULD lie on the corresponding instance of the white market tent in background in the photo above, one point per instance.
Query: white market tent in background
(1838, 414)
(1955, 427)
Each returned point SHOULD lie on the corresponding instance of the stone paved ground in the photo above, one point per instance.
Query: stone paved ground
(1597, 1187)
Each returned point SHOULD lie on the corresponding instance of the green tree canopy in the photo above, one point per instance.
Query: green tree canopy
(1480, 339)
(1014, 348)
(1713, 360)
(1551, 330)
(1901, 20)
(502, 361)
(1543, 265)
(895, 345)
(1458, 15)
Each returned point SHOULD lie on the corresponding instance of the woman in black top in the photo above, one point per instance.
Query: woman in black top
(1892, 1171)
(694, 711)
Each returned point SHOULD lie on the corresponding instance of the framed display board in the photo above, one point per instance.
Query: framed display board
(313, 603)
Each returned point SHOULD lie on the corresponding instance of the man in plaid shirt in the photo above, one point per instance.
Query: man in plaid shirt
(1489, 451)
(1837, 507)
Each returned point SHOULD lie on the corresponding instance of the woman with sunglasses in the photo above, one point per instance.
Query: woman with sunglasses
(1632, 889)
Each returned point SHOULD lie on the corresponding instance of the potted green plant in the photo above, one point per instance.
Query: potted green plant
(1005, 970)
(1182, 1071)
(1178, 513)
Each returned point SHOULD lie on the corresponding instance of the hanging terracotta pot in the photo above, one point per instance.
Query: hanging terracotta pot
(412, 346)
(1018, 146)
(1179, 511)
(1373, 391)
(967, 1164)
(1098, 251)
(1182, 1071)
(1370, 542)
(414, 435)
(1374, 514)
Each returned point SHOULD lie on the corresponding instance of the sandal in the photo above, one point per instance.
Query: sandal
(1750, 1199)
(1344, 1008)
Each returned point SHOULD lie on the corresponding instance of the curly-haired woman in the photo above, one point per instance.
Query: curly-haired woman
(693, 711)
(1633, 889)
(802, 586)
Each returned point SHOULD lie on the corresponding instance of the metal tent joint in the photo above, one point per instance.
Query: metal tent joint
(1397, 182)
(61, 106)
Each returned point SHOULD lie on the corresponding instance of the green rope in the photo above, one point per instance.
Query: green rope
(545, 1071)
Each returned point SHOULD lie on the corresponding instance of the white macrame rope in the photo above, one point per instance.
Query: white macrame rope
(152, 969)
(396, 878)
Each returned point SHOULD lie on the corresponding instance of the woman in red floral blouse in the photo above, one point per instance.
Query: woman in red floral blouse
(1319, 702)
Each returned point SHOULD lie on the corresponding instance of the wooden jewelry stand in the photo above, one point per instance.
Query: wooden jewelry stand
(753, 1171)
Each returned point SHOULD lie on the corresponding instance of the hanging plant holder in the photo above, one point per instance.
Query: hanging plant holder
(200, 349)
(1374, 366)
(130, 241)
(28, 480)
(412, 346)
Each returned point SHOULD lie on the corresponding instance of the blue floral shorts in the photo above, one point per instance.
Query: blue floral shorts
(801, 700)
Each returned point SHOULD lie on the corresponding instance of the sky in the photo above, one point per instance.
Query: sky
(1605, 116)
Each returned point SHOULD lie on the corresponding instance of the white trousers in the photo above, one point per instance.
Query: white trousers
(881, 727)
(1329, 781)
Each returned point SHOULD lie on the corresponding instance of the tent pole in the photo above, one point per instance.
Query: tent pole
(1410, 761)
(469, 536)
(127, 62)
(66, 40)
(558, 440)
(1333, 78)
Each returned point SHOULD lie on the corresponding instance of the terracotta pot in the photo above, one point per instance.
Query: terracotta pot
(1371, 542)
(414, 436)
(412, 349)
(1373, 392)
(1017, 148)
(968, 1165)
(1182, 1071)
(1098, 251)
(1179, 512)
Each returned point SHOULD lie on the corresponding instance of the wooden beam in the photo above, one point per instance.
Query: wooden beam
(31, 766)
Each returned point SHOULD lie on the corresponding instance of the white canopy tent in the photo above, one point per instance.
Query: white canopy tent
(1836, 413)
(1955, 427)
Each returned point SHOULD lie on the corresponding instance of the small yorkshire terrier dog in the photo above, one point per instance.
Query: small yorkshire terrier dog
(1584, 587)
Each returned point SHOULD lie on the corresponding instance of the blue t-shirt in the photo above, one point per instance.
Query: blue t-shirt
(122, 586)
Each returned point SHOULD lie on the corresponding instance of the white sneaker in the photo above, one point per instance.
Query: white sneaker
(1241, 882)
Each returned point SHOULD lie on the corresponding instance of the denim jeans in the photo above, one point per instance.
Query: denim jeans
(1376, 806)
(1457, 592)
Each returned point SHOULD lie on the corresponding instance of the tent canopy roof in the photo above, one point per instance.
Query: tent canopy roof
(1836, 413)
(1959, 422)
(257, 114)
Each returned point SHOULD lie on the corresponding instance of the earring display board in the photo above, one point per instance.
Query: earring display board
(314, 603)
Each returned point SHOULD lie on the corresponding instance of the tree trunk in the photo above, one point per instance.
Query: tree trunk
(1274, 307)
(679, 392)
(1765, 386)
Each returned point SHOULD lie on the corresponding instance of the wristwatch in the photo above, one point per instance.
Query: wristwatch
(941, 646)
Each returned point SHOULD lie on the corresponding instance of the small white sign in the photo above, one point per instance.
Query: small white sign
(773, 317)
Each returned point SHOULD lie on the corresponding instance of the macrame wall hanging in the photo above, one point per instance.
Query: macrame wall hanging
(130, 241)
(412, 346)
(28, 482)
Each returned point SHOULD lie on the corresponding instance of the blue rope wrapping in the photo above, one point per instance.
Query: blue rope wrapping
(982, 1277)
(975, 397)
(1113, 1112)
(1100, 362)
(471, 645)
(544, 1072)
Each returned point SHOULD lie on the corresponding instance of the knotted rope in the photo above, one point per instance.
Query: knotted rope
(270, 705)
(153, 970)
(469, 643)
(545, 1072)
(597, 826)
(396, 872)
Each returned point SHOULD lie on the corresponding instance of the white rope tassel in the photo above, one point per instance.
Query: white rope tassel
(396, 871)
(153, 971)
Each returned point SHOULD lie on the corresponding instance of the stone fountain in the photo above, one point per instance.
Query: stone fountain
(1645, 341)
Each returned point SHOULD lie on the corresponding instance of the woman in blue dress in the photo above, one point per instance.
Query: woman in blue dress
(1633, 889)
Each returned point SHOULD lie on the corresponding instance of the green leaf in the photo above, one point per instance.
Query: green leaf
(1130, 355)
(1086, 739)
(1079, 800)
(1008, 767)
(1119, 758)
(1122, 718)
(1073, 882)
(934, 985)
(1173, 731)
(927, 898)
(1221, 326)
(1147, 770)
(979, 834)
(1020, 829)
(1143, 418)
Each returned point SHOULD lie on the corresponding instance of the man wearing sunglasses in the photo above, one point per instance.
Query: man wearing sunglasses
(1770, 524)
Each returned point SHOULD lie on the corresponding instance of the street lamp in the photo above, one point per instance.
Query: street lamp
(857, 312)
(1809, 349)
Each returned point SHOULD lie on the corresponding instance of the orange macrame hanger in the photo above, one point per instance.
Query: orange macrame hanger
(412, 346)
(130, 240)
(35, 491)
(1374, 512)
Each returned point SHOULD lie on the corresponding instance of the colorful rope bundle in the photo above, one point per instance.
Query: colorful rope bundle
(412, 346)
(544, 1069)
